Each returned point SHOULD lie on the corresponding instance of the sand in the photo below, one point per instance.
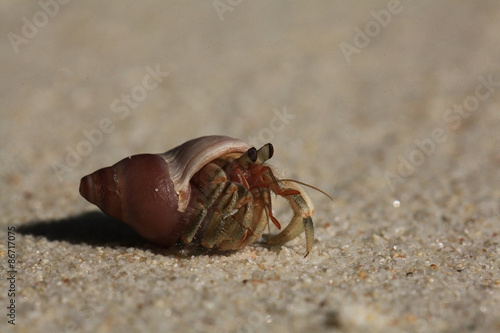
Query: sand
(391, 107)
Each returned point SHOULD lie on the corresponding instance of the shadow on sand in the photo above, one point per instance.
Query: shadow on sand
(97, 229)
(93, 228)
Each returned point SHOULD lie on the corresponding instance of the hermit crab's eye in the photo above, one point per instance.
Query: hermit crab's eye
(252, 154)
(271, 150)
(264, 153)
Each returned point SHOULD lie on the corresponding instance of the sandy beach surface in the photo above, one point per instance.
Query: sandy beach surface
(391, 107)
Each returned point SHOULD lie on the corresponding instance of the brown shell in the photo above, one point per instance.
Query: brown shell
(138, 191)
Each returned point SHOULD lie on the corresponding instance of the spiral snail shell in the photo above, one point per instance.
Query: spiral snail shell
(215, 190)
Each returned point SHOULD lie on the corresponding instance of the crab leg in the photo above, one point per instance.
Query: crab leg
(260, 219)
(302, 212)
(215, 179)
(219, 216)
(237, 226)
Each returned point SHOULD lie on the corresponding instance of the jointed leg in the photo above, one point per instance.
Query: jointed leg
(301, 220)
(239, 225)
(260, 218)
(225, 206)
(213, 181)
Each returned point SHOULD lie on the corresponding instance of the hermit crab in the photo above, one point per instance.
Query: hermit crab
(214, 190)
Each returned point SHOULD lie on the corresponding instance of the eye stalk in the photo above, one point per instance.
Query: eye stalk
(253, 155)
(249, 157)
(265, 153)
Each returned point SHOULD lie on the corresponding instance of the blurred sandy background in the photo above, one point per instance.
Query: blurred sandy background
(391, 107)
